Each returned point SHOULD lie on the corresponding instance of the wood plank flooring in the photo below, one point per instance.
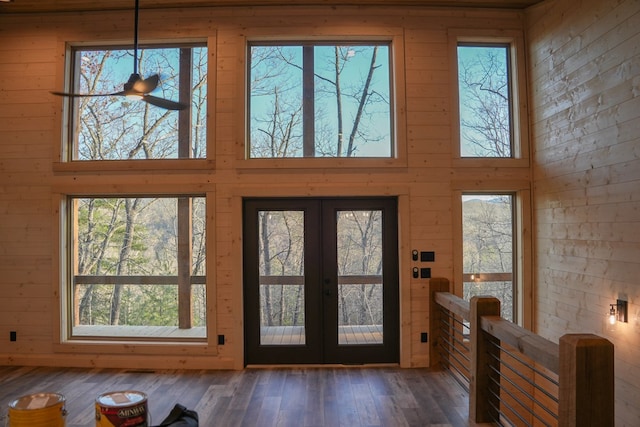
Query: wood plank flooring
(292, 396)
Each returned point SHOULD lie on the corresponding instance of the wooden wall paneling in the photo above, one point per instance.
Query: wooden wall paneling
(583, 69)
(406, 296)
(422, 182)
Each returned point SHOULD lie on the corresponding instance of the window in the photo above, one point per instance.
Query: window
(118, 128)
(488, 224)
(320, 100)
(485, 100)
(138, 267)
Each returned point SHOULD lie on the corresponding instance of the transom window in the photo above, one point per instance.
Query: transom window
(137, 267)
(485, 100)
(319, 100)
(119, 128)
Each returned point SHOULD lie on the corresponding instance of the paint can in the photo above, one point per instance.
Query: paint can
(122, 409)
(37, 410)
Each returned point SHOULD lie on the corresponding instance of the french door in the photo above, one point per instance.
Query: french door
(321, 280)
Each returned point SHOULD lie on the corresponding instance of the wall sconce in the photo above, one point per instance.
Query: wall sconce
(618, 312)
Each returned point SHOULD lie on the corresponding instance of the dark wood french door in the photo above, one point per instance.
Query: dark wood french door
(321, 280)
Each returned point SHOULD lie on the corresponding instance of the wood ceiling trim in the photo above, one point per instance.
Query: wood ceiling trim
(53, 6)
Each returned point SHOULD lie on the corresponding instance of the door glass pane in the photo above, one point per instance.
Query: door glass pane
(359, 237)
(487, 230)
(281, 258)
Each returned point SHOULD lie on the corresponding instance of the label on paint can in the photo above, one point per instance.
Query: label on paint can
(122, 409)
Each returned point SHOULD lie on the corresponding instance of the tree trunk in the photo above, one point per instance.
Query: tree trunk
(363, 102)
(339, 103)
(131, 210)
(266, 256)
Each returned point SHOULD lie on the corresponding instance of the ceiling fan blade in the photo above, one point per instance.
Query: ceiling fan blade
(86, 95)
(164, 103)
(136, 87)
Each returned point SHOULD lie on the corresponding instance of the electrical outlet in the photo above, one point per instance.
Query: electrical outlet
(220, 339)
(13, 336)
(424, 337)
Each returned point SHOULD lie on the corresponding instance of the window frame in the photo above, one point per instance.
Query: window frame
(153, 177)
(517, 90)
(391, 36)
(64, 162)
(66, 342)
(522, 244)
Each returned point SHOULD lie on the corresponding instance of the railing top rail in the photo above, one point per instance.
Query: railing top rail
(535, 347)
(454, 304)
(134, 280)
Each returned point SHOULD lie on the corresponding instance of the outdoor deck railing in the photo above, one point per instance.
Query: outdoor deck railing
(515, 377)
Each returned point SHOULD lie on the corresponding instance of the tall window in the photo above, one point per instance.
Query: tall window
(320, 100)
(488, 226)
(138, 267)
(485, 100)
(119, 128)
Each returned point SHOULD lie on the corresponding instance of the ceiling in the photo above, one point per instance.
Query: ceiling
(47, 6)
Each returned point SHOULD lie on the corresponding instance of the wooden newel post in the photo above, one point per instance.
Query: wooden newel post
(485, 359)
(436, 284)
(586, 392)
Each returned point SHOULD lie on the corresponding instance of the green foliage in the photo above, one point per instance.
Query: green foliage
(488, 246)
(134, 237)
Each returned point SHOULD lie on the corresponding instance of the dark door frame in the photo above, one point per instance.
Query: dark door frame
(321, 345)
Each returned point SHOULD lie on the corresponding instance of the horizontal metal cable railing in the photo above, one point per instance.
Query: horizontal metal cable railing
(454, 349)
(515, 377)
(528, 395)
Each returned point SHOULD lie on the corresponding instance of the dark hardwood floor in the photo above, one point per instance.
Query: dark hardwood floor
(305, 396)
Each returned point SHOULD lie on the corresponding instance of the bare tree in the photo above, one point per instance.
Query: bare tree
(485, 103)
(116, 128)
(277, 76)
(488, 247)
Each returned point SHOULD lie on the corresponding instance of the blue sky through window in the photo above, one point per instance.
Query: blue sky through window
(276, 101)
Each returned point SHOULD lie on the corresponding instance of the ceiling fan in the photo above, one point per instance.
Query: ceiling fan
(137, 87)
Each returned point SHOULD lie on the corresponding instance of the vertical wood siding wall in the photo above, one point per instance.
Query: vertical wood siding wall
(584, 86)
(31, 65)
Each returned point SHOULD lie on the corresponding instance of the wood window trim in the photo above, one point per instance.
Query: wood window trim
(523, 260)
(62, 315)
(393, 35)
(63, 153)
(515, 39)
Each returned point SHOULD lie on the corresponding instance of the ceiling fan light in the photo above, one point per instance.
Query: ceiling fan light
(139, 86)
(134, 96)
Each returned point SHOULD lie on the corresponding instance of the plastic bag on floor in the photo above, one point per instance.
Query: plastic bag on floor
(180, 417)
